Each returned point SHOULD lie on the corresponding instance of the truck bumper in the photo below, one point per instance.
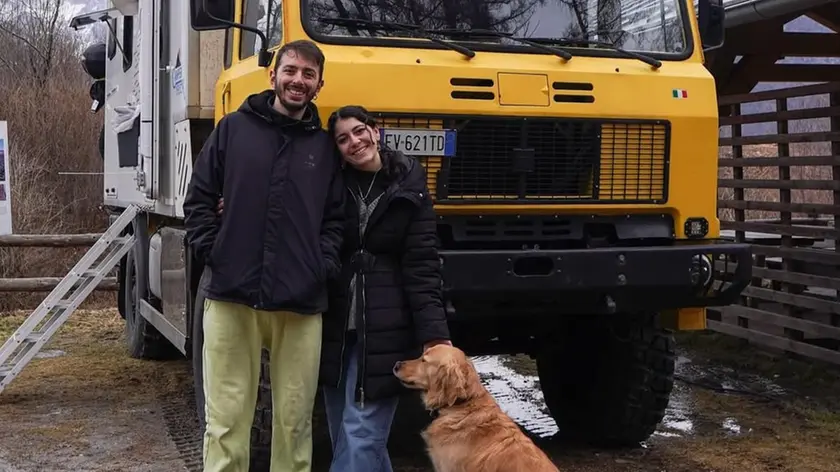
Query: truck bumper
(602, 280)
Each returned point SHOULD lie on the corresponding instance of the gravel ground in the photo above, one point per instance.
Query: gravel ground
(84, 405)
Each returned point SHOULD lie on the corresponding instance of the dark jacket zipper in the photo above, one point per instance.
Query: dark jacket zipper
(360, 380)
(361, 307)
(284, 143)
(362, 289)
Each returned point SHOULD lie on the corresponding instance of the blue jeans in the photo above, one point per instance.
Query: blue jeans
(359, 436)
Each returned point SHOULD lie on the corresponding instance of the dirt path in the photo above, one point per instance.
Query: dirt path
(85, 406)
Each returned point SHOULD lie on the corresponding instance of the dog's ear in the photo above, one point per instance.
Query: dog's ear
(450, 384)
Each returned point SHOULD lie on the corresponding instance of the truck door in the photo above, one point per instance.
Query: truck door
(128, 127)
(153, 33)
(245, 76)
(132, 138)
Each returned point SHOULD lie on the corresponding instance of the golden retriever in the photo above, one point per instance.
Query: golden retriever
(471, 433)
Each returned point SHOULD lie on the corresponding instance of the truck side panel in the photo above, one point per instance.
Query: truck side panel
(171, 70)
(122, 85)
(178, 84)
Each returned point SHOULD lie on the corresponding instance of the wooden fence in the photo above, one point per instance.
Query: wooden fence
(46, 284)
(780, 191)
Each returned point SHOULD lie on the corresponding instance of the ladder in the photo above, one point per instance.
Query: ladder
(73, 289)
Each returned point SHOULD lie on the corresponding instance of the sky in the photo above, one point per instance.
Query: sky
(88, 5)
(77, 7)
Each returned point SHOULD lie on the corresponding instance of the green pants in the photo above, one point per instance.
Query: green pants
(234, 336)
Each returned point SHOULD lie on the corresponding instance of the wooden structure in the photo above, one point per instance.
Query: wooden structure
(779, 184)
(46, 284)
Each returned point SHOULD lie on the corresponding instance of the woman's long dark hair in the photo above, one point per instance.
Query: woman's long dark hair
(393, 163)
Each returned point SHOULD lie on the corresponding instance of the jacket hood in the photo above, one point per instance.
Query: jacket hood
(262, 105)
(406, 172)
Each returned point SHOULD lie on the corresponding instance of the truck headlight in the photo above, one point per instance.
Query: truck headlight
(701, 270)
(696, 228)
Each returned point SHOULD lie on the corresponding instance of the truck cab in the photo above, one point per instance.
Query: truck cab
(570, 148)
(571, 151)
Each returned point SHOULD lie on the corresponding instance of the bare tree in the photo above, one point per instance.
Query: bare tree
(35, 37)
(507, 16)
(632, 23)
(44, 98)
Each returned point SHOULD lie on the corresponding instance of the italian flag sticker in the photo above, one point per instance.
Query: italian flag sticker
(680, 93)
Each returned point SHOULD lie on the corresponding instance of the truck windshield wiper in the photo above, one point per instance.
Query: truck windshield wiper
(392, 26)
(485, 32)
(566, 41)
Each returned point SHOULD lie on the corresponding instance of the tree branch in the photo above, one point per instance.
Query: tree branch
(23, 40)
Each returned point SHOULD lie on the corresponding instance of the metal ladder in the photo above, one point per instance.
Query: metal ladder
(73, 289)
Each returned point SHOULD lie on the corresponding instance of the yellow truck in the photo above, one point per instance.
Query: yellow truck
(570, 146)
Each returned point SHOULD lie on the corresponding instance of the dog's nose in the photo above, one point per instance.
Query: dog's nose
(397, 366)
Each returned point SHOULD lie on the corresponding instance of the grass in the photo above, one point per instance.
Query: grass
(809, 376)
(95, 363)
(91, 407)
(772, 438)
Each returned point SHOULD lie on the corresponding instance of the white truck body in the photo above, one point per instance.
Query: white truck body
(160, 78)
(170, 74)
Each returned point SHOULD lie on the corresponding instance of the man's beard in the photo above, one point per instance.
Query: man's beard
(291, 106)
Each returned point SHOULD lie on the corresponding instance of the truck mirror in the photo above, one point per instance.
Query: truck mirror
(710, 16)
(206, 15)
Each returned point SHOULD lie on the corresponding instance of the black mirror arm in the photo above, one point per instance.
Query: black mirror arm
(704, 19)
(265, 56)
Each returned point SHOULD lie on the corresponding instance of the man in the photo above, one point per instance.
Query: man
(269, 256)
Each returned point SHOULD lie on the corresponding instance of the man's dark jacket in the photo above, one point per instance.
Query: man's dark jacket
(399, 307)
(277, 241)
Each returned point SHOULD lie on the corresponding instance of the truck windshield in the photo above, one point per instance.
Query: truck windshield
(647, 26)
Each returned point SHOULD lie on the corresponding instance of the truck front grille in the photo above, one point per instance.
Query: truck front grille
(548, 160)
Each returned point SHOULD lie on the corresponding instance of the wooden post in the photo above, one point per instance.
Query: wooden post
(786, 216)
(49, 240)
(834, 101)
(46, 284)
(738, 174)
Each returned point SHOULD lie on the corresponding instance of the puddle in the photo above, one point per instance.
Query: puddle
(678, 420)
(50, 353)
(729, 379)
(520, 397)
(730, 425)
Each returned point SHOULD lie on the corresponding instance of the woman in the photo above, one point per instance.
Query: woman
(386, 304)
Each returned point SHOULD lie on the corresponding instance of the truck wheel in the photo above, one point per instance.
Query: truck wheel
(261, 428)
(607, 380)
(144, 341)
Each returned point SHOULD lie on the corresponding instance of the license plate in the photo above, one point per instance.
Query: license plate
(420, 142)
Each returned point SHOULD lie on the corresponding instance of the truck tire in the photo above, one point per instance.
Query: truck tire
(607, 380)
(261, 428)
(143, 340)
